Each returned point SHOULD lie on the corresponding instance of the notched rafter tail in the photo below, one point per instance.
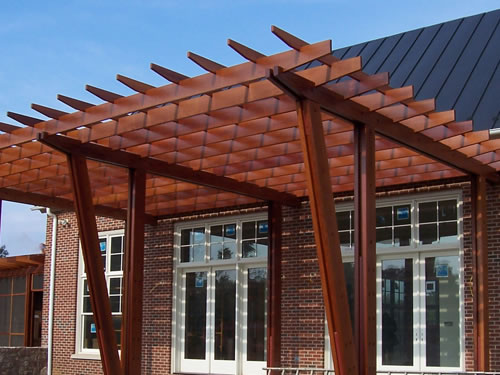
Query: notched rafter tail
(168, 74)
(8, 128)
(47, 111)
(203, 62)
(105, 95)
(134, 84)
(246, 52)
(77, 104)
(290, 40)
(23, 119)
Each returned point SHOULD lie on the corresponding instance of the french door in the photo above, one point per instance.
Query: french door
(418, 312)
(222, 319)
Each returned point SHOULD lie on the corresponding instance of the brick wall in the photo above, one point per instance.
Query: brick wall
(302, 306)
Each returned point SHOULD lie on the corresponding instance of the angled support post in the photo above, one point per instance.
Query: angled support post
(133, 274)
(364, 252)
(275, 218)
(480, 272)
(326, 237)
(99, 299)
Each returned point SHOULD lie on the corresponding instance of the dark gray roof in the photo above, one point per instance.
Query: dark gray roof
(456, 62)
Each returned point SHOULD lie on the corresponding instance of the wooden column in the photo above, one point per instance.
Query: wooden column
(133, 274)
(274, 286)
(326, 237)
(480, 272)
(99, 299)
(365, 335)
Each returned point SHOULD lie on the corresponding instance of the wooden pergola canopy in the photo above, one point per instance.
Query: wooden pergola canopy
(229, 137)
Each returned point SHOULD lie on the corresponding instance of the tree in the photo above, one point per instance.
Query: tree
(3, 252)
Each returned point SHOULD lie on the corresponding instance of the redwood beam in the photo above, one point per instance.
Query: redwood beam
(326, 237)
(364, 249)
(275, 218)
(89, 238)
(133, 275)
(480, 272)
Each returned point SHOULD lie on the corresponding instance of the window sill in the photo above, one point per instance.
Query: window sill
(91, 356)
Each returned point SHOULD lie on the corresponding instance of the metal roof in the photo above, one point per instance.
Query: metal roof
(455, 62)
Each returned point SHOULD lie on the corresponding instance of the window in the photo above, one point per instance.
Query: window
(12, 305)
(419, 302)
(111, 246)
(221, 296)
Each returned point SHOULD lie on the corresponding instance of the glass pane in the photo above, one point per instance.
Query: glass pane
(89, 333)
(87, 307)
(402, 214)
(116, 245)
(196, 315)
(397, 312)
(17, 340)
(262, 229)
(17, 324)
(5, 285)
(229, 250)
(116, 262)
(185, 254)
(117, 326)
(102, 247)
(5, 314)
(185, 236)
(38, 281)
(216, 233)
(248, 230)
(402, 236)
(4, 340)
(448, 232)
(384, 216)
(442, 311)
(448, 210)
(115, 303)
(216, 251)
(343, 220)
(249, 249)
(256, 324)
(349, 283)
(427, 212)
(198, 253)
(229, 232)
(262, 247)
(19, 284)
(345, 239)
(225, 314)
(428, 233)
(199, 235)
(384, 237)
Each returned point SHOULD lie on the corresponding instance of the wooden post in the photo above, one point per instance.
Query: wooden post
(480, 272)
(365, 249)
(89, 238)
(326, 237)
(133, 274)
(274, 286)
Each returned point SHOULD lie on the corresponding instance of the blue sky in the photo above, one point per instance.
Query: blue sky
(56, 47)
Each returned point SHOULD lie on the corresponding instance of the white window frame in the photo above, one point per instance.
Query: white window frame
(418, 250)
(80, 351)
(240, 264)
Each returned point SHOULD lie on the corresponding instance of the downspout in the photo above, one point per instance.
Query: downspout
(51, 290)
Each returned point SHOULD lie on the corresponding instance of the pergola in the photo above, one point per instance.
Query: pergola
(275, 129)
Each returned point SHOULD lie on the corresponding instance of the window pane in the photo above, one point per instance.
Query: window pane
(397, 312)
(115, 303)
(248, 230)
(345, 239)
(17, 324)
(448, 210)
(38, 281)
(199, 235)
(262, 245)
(225, 314)
(216, 233)
(402, 236)
(229, 232)
(5, 314)
(256, 324)
(428, 233)
(117, 326)
(116, 245)
(185, 237)
(384, 237)
(343, 220)
(19, 284)
(448, 232)
(427, 212)
(196, 315)
(442, 310)
(349, 283)
(89, 333)
(384, 216)
(185, 254)
(402, 214)
(262, 229)
(216, 251)
(116, 262)
(229, 250)
(249, 249)
(17, 340)
(5, 284)
(4, 340)
(198, 253)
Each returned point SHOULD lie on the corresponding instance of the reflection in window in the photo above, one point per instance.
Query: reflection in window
(438, 222)
(254, 239)
(193, 245)
(256, 322)
(223, 241)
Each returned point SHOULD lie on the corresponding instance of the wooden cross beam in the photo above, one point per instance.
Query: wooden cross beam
(161, 168)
